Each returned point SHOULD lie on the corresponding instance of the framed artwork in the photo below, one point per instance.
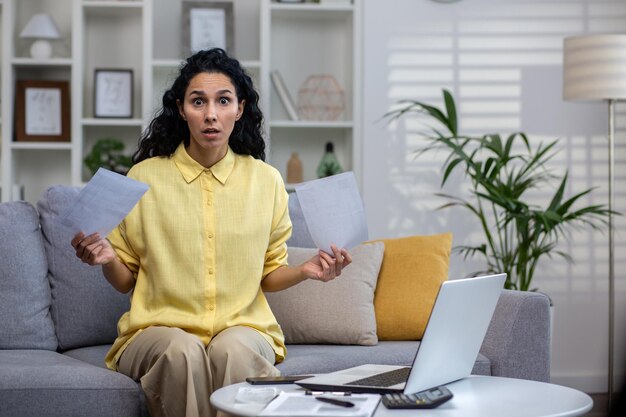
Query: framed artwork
(207, 24)
(42, 111)
(113, 93)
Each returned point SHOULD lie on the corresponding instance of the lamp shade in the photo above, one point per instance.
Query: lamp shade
(594, 67)
(40, 26)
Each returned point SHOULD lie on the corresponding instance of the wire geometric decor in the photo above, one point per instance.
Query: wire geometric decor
(321, 98)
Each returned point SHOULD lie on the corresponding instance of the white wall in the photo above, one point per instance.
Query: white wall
(502, 61)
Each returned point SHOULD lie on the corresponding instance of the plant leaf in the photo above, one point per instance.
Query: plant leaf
(451, 110)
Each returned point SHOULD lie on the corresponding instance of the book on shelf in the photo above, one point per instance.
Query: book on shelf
(283, 93)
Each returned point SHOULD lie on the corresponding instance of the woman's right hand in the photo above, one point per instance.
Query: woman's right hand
(93, 249)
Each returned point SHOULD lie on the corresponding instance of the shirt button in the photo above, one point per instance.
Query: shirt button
(210, 235)
(211, 307)
(209, 203)
(211, 271)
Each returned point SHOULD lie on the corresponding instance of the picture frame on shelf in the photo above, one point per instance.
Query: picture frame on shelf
(113, 93)
(207, 24)
(42, 111)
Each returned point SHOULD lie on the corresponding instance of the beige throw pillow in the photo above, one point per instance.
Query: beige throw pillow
(336, 312)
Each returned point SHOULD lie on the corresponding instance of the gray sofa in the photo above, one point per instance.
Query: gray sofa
(58, 319)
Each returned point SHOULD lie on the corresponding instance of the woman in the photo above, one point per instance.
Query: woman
(202, 245)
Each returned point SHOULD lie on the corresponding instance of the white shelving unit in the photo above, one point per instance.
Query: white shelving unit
(5, 193)
(33, 165)
(1, 85)
(297, 39)
(304, 39)
(97, 26)
(1, 80)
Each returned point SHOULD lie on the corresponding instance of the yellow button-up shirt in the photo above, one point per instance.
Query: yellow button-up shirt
(199, 242)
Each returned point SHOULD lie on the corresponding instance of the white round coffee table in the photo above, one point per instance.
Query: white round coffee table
(475, 396)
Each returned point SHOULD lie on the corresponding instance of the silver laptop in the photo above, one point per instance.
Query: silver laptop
(454, 333)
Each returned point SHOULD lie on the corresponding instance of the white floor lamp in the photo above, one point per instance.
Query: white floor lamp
(594, 68)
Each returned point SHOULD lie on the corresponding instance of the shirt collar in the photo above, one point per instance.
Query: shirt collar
(191, 169)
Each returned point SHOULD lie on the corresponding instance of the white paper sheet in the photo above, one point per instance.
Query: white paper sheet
(298, 404)
(333, 211)
(103, 203)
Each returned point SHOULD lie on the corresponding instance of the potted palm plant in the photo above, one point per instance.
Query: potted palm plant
(503, 171)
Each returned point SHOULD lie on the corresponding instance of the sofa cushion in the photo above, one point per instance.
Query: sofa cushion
(85, 307)
(93, 355)
(319, 359)
(44, 383)
(340, 311)
(314, 359)
(24, 289)
(413, 269)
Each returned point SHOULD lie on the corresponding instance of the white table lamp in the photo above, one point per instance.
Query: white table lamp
(594, 68)
(40, 27)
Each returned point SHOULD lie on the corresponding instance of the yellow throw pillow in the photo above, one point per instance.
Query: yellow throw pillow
(413, 269)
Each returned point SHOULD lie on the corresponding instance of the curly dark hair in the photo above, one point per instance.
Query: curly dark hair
(167, 130)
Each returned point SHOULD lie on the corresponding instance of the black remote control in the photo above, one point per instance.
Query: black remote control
(429, 398)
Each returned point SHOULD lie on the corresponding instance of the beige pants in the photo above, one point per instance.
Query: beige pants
(178, 373)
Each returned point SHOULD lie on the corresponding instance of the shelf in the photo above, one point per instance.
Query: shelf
(167, 63)
(251, 64)
(42, 146)
(312, 124)
(101, 4)
(112, 122)
(175, 63)
(309, 8)
(50, 62)
(112, 9)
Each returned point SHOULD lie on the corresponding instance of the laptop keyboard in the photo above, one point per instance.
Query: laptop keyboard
(385, 379)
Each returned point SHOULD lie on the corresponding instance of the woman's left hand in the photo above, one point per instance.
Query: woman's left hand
(324, 267)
